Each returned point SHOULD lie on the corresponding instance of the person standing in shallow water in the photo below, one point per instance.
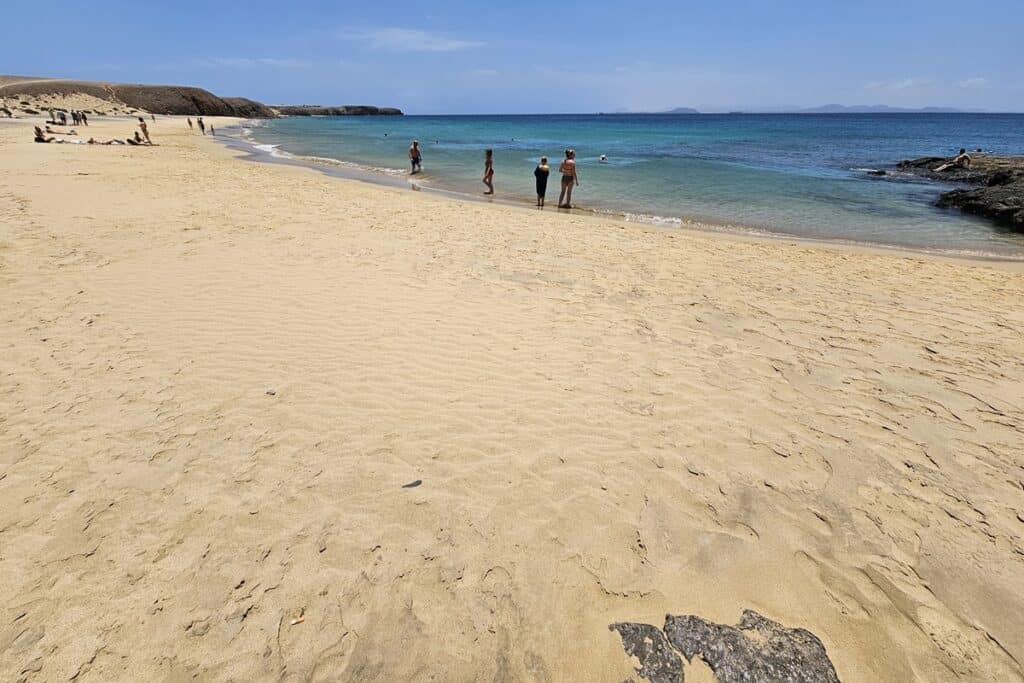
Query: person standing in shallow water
(488, 178)
(541, 174)
(569, 178)
(415, 158)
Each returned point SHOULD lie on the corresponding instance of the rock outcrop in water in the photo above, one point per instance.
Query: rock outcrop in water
(756, 649)
(999, 186)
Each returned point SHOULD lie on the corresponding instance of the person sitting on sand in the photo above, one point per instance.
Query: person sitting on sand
(541, 174)
(41, 137)
(569, 179)
(415, 158)
(138, 141)
(488, 178)
(145, 129)
(962, 160)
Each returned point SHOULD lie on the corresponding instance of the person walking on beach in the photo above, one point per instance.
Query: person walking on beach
(541, 174)
(569, 178)
(415, 158)
(189, 119)
(202, 126)
(488, 178)
(85, 119)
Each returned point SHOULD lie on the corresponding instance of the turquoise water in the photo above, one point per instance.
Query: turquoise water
(801, 175)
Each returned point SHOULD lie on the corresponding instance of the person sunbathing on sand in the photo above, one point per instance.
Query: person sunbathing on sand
(61, 132)
(41, 137)
(962, 160)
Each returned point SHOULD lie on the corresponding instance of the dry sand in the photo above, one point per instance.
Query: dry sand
(216, 376)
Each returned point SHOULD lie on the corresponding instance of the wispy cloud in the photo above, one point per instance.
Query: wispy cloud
(977, 82)
(406, 40)
(252, 62)
(901, 84)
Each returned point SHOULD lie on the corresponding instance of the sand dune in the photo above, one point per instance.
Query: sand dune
(217, 377)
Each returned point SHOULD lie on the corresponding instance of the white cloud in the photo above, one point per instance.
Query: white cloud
(407, 40)
(977, 82)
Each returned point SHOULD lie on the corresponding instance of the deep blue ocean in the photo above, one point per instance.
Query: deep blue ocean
(802, 175)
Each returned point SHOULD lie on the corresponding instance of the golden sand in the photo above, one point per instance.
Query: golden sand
(216, 376)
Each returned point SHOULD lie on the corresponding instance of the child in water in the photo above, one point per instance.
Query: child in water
(488, 178)
(541, 173)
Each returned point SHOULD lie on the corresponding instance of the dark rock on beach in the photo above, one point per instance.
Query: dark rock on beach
(659, 663)
(998, 192)
(756, 649)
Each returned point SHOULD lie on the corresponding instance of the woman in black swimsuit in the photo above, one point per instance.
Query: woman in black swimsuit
(488, 178)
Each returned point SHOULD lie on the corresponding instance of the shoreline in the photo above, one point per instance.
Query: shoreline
(258, 152)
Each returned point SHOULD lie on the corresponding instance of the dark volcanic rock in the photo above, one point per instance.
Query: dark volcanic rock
(756, 649)
(659, 663)
(1000, 192)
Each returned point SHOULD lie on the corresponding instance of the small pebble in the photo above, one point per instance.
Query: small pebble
(271, 392)
(412, 484)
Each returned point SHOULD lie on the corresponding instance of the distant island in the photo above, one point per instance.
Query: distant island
(829, 109)
(876, 109)
(824, 109)
(31, 94)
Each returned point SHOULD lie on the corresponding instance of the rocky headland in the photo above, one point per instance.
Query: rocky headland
(997, 186)
(342, 110)
(30, 95)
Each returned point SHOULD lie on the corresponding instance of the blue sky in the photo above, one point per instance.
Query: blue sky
(557, 56)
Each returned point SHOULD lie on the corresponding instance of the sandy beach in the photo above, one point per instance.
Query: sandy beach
(221, 379)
